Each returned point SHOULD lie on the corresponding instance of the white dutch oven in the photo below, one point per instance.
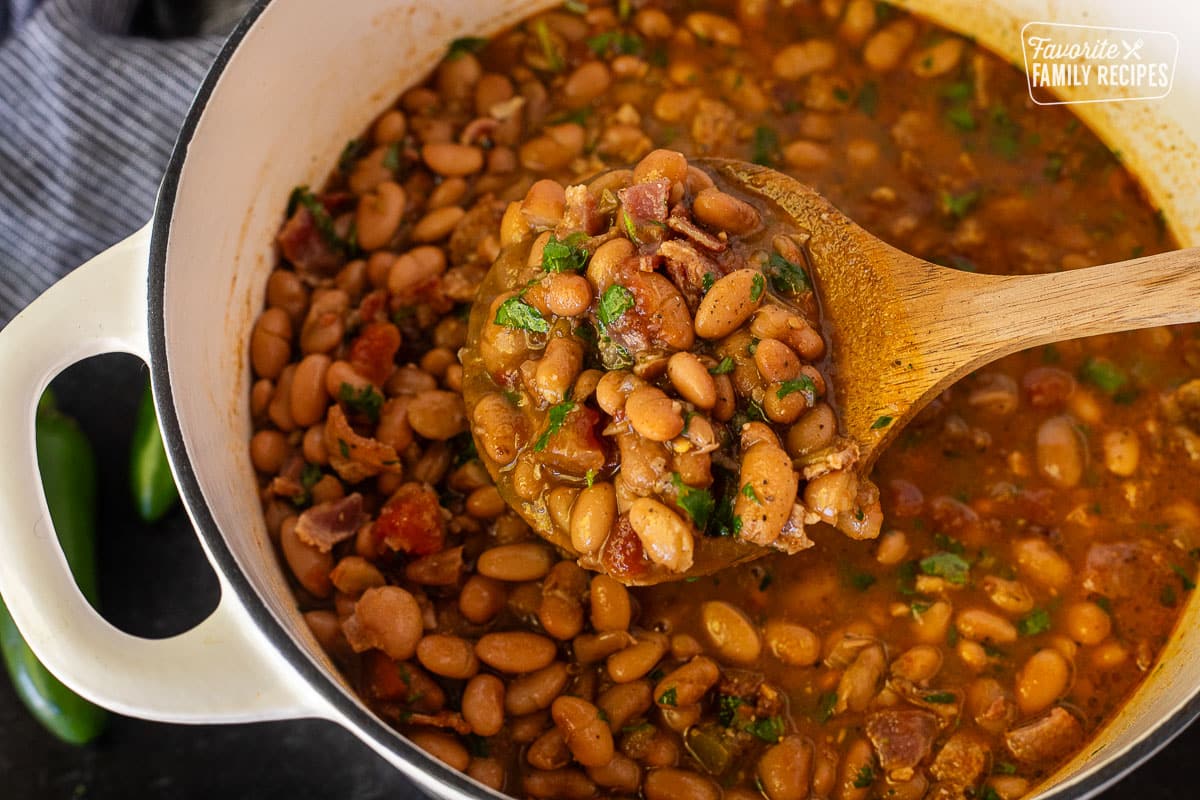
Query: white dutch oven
(296, 80)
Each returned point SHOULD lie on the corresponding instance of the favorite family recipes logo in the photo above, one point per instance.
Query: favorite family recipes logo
(1108, 64)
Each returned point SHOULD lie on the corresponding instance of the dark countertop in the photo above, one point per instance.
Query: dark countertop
(155, 582)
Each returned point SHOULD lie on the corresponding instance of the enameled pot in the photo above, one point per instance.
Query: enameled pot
(296, 80)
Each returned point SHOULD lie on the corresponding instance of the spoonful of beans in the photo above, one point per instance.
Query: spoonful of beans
(679, 367)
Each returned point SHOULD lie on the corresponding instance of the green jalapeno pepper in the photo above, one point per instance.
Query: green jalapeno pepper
(154, 492)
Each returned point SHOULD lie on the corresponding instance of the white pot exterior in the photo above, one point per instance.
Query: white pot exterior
(306, 77)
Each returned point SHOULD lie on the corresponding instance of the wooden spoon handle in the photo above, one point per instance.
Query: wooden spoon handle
(991, 316)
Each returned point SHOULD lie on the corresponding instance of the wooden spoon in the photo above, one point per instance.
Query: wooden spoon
(902, 330)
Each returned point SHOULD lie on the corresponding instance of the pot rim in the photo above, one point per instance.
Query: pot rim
(351, 713)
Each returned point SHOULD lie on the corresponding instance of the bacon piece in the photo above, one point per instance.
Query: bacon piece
(1045, 739)
(680, 221)
(574, 448)
(687, 268)
(643, 212)
(442, 719)
(355, 458)
(326, 524)
(303, 244)
(411, 521)
(373, 351)
(902, 738)
(623, 556)
(961, 761)
(467, 241)
(580, 214)
(437, 569)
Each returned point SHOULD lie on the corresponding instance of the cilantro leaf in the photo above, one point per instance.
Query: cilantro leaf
(749, 493)
(698, 503)
(727, 706)
(961, 118)
(766, 146)
(1102, 373)
(365, 401)
(556, 416)
(802, 384)
(562, 255)
(1035, 622)
(769, 730)
(516, 313)
(959, 205)
(725, 367)
(757, 284)
(615, 302)
(467, 44)
(950, 566)
(301, 196)
(941, 698)
(669, 698)
(865, 777)
(825, 706)
(868, 98)
(881, 422)
(786, 277)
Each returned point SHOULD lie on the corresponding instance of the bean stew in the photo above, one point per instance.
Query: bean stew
(1038, 526)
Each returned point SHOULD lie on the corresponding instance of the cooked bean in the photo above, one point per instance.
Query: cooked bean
(481, 599)
(559, 784)
(731, 632)
(776, 361)
(561, 610)
(613, 389)
(488, 771)
(859, 760)
(549, 751)
(653, 414)
(271, 343)
(449, 159)
(592, 647)
(557, 370)
(692, 380)
(794, 645)
(310, 565)
(378, 215)
(498, 428)
(686, 685)
(729, 303)
(308, 396)
(1087, 623)
(524, 561)
(268, 450)
(1038, 559)
(610, 604)
(443, 747)
(785, 769)
(1109, 655)
(586, 733)
(938, 59)
(892, 549)
(621, 774)
(568, 295)
(624, 702)
(414, 269)
(637, 660)
(1010, 596)
(724, 212)
(537, 690)
(886, 47)
(592, 517)
(437, 224)
(1060, 456)
(1121, 452)
(448, 656)
(665, 537)
(585, 84)
(515, 651)
(804, 58)
(353, 575)
(918, 664)
(714, 28)
(386, 617)
(669, 783)
(765, 507)
(981, 625)
(286, 292)
(813, 431)
(437, 414)
(930, 625)
(1042, 680)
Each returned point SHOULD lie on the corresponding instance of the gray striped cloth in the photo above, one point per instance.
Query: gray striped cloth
(88, 115)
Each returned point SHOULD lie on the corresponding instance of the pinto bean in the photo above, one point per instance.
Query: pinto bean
(537, 690)
(271, 342)
(523, 561)
(610, 604)
(1042, 680)
(804, 58)
(669, 783)
(665, 537)
(386, 617)
(1060, 456)
(378, 215)
(732, 634)
(653, 414)
(450, 159)
(724, 212)
(729, 303)
(585, 84)
(638, 659)
(767, 505)
(586, 733)
(443, 747)
(794, 645)
(686, 685)
(515, 651)
(785, 769)
(592, 517)
(309, 564)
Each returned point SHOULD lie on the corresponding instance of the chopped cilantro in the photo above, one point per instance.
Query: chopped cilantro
(301, 196)
(766, 146)
(639, 727)
(344, 448)
(310, 475)
(365, 401)
(881, 422)
(349, 154)
(1184, 577)
(868, 98)
(802, 384)
(906, 583)
(1102, 373)
(1167, 596)
(615, 302)
(940, 698)
(556, 416)
(616, 43)
(959, 205)
(860, 580)
(950, 566)
(737, 525)
(590, 477)
(698, 503)
(957, 91)
(1105, 605)
(757, 284)
(516, 313)
(961, 118)
(1005, 133)
(990, 794)
(769, 730)
(545, 39)
(727, 706)
(707, 281)
(786, 277)
(467, 44)
(1035, 622)
(825, 704)
(1054, 166)
(1005, 768)
(749, 493)
(579, 7)
(563, 255)
(669, 697)
(865, 777)
(391, 157)
(725, 367)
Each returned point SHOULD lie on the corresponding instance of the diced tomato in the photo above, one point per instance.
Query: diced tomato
(373, 352)
(623, 554)
(411, 521)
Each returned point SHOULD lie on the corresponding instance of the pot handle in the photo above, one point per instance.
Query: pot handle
(222, 670)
